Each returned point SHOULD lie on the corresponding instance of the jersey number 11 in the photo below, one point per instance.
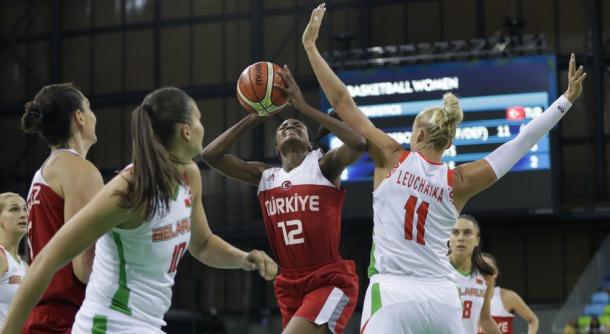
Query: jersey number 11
(422, 214)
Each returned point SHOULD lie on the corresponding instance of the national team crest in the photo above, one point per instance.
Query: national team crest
(286, 185)
(188, 201)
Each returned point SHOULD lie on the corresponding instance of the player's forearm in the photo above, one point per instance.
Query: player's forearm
(532, 327)
(221, 145)
(31, 289)
(336, 92)
(218, 253)
(489, 326)
(506, 156)
(333, 87)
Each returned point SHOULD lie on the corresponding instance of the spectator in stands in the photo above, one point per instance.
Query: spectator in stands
(571, 328)
(595, 327)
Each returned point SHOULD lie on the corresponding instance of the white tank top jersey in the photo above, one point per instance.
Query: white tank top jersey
(134, 270)
(497, 307)
(9, 281)
(413, 214)
(472, 289)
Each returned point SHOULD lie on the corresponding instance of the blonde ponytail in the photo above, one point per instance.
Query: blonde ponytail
(440, 124)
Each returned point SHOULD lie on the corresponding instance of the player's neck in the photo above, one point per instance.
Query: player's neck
(461, 263)
(77, 144)
(10, 243)
(431, 154)
(292, 159)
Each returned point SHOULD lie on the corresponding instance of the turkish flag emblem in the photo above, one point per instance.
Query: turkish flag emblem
(515, 113)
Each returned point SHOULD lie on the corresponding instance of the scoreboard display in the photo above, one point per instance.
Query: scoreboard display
(498, 96)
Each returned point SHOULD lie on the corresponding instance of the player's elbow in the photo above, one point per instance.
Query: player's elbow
(210, 156)
(199, 247)
(360, 144)
(82, 265)
(82, 274)
(340, 98)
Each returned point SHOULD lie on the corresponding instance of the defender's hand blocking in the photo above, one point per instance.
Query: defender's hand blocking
(256, 259)
(310, 35)
(292, 89)
(575, 79)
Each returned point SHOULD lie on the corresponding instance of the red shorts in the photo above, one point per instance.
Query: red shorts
(327, 295)
(42, 322)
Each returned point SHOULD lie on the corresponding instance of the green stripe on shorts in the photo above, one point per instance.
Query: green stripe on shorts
(99, 324)
(375, 298)
(372, 270)
(120, 301)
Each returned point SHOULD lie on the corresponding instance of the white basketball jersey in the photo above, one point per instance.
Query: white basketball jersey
(9, 282)
(134, 270)
(472, 289)
(413, 214)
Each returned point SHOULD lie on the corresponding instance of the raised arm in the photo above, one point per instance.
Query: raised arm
(512, 301)
(471, 178)
(334, 161)
(216, 156)
(100, 215)
(384, 149)
(210, 249)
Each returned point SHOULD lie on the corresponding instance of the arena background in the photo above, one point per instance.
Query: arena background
(118, 50)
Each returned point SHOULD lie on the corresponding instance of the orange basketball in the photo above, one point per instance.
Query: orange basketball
(255, 90)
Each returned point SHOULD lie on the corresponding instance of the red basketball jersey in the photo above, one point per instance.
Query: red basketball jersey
(302, 214)
(65, 293)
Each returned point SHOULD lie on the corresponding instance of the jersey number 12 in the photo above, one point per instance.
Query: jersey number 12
(422, 214)
(292, 237)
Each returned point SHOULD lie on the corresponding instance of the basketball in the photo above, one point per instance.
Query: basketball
(255, 90)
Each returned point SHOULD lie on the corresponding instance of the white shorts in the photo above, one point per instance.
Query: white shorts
(409, 305)
(92, 318)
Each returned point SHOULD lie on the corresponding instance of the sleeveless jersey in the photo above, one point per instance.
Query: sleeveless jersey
(9, 281)
(65, 293)
(472, 289)
(500, 314)
(134, 270)
(413, 214)
(302, 214)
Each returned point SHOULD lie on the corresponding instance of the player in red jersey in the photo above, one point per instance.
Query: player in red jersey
(301, 204)
(65, 182)
(505, 303)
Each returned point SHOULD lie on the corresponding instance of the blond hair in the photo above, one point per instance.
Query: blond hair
(4, 197)
(440, 123)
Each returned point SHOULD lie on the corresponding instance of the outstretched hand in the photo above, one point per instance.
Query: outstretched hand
(259, 260)
(575, 79)
(310, 35)
(292, 89)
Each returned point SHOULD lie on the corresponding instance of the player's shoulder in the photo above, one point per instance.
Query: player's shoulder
(73, 165)
(3, 261)
(192, 175)
(191, 171)
(508, 295)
